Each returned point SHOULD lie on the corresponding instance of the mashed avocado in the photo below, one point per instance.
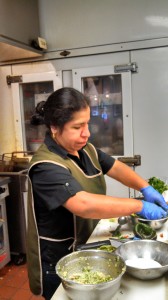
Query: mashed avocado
(88, 276)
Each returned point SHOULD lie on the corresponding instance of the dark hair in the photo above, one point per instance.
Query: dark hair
(38, 118)
(60, 106)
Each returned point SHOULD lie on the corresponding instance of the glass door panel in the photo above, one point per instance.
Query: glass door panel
(32, 95)
(111, 108)
(27, 95)
(106, 124)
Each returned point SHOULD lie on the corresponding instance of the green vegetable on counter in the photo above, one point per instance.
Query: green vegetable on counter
(144, 231)
(158, 184)
(112, 219)
(108, 248)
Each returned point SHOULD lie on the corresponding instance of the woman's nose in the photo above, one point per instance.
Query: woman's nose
(86, 131)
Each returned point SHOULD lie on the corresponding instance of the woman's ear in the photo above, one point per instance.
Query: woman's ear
(53, 129)
(53, 132)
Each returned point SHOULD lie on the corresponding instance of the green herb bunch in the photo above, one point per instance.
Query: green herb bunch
(158, 184)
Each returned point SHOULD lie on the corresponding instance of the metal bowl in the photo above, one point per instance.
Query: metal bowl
(101, 261)
(154, 224)
(148, 250)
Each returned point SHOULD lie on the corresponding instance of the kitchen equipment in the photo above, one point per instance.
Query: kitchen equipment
(121, 221)
(115, 242)
(98, 260)
(15, 161)
(5, 163)
(143, 232)
(16, 170)
(154, 224)
(4, 237)
(148, 251)
(35, 144)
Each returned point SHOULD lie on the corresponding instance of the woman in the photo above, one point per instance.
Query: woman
(67, 191)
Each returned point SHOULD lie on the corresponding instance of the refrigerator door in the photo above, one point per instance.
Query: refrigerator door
(111, 127)
(111, 107)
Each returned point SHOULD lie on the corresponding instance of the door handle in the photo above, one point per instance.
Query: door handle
(131, 161)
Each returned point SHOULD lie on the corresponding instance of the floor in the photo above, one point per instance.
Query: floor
(14, 283)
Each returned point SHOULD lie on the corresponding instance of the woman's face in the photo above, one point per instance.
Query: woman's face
(75, 133)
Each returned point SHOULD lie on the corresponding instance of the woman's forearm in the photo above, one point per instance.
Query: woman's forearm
(95, 206)
(124, 174)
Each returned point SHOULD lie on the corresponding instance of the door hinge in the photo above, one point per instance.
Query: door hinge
(133, 67)
(14, 79)
(131, 161)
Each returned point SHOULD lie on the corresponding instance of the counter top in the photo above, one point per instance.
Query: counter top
(131, 288)
(4, 180)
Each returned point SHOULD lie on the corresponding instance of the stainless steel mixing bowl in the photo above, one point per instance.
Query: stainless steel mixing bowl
(108, 263)
(154, 224)
(148, 250)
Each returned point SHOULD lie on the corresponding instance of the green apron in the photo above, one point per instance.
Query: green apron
(82, 227)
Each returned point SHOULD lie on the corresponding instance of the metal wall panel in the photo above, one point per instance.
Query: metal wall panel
(78, 23)
(150, 110)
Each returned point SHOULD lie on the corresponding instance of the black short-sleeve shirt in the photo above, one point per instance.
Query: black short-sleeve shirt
(53, 185)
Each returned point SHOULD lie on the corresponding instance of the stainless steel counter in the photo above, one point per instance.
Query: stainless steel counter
(131, 288)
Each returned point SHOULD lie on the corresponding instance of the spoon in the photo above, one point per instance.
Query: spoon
(121, 221)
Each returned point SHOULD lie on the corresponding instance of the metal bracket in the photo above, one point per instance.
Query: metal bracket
(14, 79)
(65, 53)
(133, 67)
(131, 161)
